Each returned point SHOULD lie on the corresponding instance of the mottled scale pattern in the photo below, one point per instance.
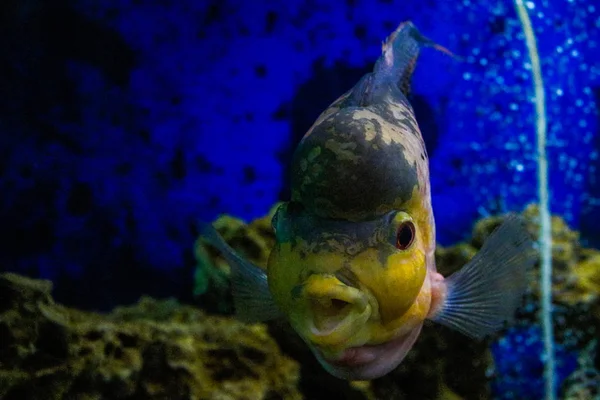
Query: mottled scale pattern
(359, 162)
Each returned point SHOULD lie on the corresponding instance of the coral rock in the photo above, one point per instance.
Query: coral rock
(584, 383)
(151, 350)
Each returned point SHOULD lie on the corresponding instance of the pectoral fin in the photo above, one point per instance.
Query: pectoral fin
(252, 299)
(488, 289)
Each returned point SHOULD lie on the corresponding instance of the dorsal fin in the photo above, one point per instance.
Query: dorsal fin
(399, 55)
(404, 83)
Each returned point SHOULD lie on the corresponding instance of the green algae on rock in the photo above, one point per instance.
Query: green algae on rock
(151, 350)
(584, 383)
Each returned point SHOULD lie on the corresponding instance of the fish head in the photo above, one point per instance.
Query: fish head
(355, 291)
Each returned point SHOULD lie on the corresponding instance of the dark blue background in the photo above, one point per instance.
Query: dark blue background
(123, 124)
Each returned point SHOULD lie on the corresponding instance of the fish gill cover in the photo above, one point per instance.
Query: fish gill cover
(125, 122)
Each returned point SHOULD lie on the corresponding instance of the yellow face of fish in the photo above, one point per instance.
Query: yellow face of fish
(348, 284)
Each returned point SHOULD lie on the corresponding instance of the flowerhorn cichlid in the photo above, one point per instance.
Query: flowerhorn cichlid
(353, 267)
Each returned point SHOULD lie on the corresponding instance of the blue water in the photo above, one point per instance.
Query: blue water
(125, 123)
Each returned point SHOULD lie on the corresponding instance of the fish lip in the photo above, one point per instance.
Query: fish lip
(361, 355)
(368, 361)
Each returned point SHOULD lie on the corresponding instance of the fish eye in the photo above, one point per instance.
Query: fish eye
(405, 235)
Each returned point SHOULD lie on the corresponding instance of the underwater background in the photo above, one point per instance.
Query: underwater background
(125, 123)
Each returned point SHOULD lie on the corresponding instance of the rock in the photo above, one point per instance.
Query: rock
(151, 350)
(584, 383)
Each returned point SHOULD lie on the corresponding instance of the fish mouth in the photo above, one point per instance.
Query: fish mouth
(369, 361)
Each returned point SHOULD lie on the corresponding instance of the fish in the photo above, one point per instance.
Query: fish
(353, 267)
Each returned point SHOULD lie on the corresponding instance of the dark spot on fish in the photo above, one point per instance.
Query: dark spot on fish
(270, 20)
(347, 277)
(260, 70)
(80, 200)
(360, 31)
(385, 177)
(249, 174)
(409, 123)
(423, 156)
(378, 127)
(497, 25)
(177, 164)
(323, 235)
(382, 256)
